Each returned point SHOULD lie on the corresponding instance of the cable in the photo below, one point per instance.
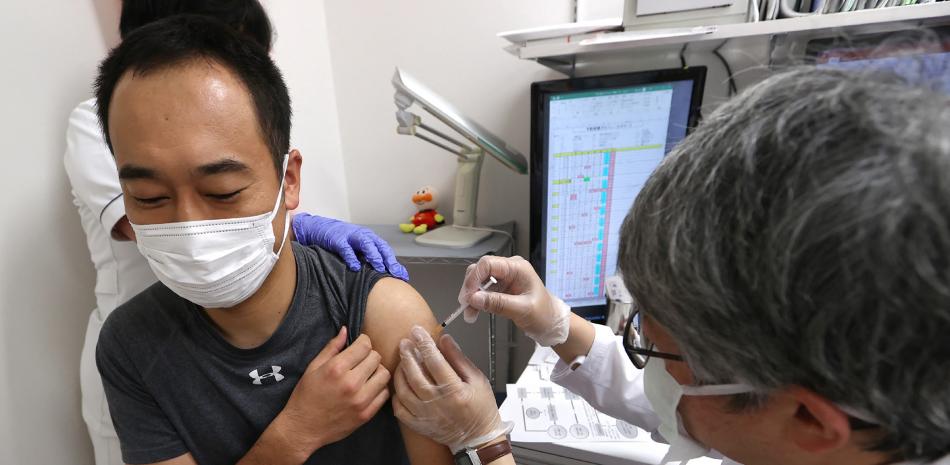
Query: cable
(683, 55)
(733, 90)
(787, 11)
(753, 14)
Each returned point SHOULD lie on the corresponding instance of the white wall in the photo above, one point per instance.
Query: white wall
(303, 55)
(452, 48)
(51, 48)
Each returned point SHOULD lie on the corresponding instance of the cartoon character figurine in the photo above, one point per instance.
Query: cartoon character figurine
(427, 218)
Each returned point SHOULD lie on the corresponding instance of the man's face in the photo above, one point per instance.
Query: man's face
(188, 147)
(794, 426)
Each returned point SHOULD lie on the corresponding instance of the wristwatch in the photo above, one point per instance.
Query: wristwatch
(484, 455)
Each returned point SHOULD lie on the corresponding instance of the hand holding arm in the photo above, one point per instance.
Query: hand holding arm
(345, 240)
(445, 397)
(340, 391)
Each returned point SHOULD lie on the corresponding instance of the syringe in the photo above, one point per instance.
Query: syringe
(491, 281)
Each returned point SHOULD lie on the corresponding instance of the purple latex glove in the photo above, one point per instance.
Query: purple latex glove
(345, 240)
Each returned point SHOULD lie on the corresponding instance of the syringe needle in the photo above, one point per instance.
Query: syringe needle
(491, 281)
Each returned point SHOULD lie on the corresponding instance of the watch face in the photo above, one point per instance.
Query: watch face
(462, 458)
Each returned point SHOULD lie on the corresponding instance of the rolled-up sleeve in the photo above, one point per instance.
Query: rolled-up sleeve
(609, 381)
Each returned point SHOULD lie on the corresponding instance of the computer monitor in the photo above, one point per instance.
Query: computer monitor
(595, 141)
(923, 59)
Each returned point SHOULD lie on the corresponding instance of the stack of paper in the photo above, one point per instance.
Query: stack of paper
(545, 412)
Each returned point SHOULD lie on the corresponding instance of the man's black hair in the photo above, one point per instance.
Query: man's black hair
(183, 38)
(245, 16)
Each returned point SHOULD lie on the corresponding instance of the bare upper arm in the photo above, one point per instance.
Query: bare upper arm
(392, 309)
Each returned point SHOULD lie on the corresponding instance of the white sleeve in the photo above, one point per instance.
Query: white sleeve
(91, 167)
(609, 381)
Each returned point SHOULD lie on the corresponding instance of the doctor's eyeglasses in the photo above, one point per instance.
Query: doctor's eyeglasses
(637, 346)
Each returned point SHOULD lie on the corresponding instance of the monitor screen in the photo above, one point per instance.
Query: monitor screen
(927, 62)
(596, 141)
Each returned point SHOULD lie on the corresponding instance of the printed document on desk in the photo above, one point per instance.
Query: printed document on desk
(543, 411)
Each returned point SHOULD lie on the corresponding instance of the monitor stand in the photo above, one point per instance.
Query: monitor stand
(451, 237)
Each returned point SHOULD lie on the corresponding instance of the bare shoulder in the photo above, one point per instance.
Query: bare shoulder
(392, 309)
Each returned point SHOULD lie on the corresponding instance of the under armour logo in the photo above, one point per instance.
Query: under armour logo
(273, 377)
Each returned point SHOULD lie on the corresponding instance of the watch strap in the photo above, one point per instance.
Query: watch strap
(490, 453)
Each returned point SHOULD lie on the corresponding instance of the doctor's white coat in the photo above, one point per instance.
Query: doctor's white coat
(612, 384)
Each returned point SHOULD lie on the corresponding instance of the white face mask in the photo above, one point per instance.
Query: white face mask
(664, 394)
(214, 263)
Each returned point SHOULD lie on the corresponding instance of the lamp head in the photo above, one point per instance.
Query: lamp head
(411, 92)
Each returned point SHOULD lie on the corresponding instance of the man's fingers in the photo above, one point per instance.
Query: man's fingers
(457, 360)
(379, 379)
(356, 352)
(330, 350)
(368, 366)
(370, 388)
(376, 404)
(442, 373)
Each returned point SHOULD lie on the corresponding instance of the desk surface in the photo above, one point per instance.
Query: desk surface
(409, 252)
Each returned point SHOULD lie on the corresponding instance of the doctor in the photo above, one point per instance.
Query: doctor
(789, 261)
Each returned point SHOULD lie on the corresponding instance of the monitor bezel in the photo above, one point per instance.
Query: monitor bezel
(540, 98)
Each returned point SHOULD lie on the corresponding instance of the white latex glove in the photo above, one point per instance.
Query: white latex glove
(446, 398)
(519, 296)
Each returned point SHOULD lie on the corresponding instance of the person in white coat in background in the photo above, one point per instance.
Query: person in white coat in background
(790, 264)
(121, 270)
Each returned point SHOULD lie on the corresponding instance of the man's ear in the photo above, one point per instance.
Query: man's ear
(292, 180)
(817, 425)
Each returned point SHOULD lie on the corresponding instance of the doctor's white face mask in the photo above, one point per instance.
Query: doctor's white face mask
(214, 263)
(664, 393)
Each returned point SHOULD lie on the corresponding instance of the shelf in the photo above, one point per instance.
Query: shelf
(558, 53)
(410, 253)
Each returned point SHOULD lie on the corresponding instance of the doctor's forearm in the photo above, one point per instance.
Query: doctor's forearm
(580, 338)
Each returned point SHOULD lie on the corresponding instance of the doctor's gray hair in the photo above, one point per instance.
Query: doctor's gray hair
(801, 236)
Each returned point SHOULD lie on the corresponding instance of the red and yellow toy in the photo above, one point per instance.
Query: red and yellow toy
(427, 218)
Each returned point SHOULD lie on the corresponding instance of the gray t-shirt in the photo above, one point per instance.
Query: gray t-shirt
(175, 385)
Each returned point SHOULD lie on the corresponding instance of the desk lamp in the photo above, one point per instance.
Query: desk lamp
(460, 234)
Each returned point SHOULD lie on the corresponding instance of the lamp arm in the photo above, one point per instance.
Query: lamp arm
(458, 153)
(445, 136)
